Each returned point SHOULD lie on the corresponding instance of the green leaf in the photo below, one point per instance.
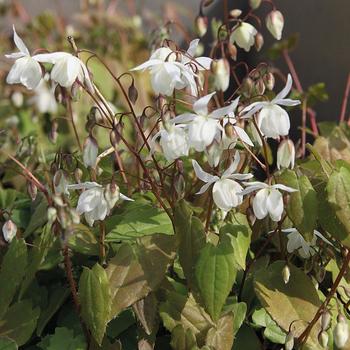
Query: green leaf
(338, 190)
(95, 300)
(182, 339)
(38, 216)
(221, 335)
(36, 256)
(137, 220)
(8, 344)
(247, 339)
(19, 322)
(7, 198)
(136, 270)
(63, 338)
(13, 269)
(296, 300)
(317, 93)
(83, 241)
(302, 206)
(121, 323)
(179, 309)
(191, 236)
(215, 274)
(240, 234)
(239, 311)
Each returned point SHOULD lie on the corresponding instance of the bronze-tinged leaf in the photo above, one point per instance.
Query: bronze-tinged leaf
(221, 335)
(146, 310)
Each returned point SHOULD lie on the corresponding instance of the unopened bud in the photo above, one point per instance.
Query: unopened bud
(286, 154)
(259, 41)
(32, 190)
(214, 154)
(269, 80)
(60, 182)
(74, 91)
(78, 174)
(259, 87)
(17, 99)
(341, 332)
(221, 71)
(323, 339)
(325, 320)
(132, 93)
(180, 185)
(53, 134)
(90, 152)
(275, 23)
(247, 86)
(232, 49)
(201, 25)
(235, 13)
(51, 214)
(9, 230)
(286, 274)
(289, 343)
(254, 4)
(114, 137)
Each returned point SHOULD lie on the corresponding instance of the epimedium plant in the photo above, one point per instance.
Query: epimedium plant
(172, 221)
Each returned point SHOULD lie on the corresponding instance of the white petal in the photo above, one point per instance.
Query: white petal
(203, 63)
(201, 105)
(183, 118)
(204, 188)
(260, 203)
(284, 188)
(221, 112)
(19, 43)
(89, 200)
(125, 198)
(243, 136)
(226, 194)
(84, 186)
(241, 177)
(287, 102)
(285, 91)
(201, 174)
(15, 55)
(231, 169)
(52, 58)
(252, 109)
(193, 47)
(274, 205)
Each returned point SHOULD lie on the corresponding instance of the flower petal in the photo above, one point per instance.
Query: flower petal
(201, 105)
(260, 203)
(19, 43)
(201, 174)
(274, 204)
(243, 136)
(285, 91)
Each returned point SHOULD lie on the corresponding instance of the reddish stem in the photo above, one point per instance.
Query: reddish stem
(345, 100)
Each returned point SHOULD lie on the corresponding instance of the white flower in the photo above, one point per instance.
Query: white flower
(221, 71)
(341, 332)
(93, 201)
(26, 70)
(67, 68)
(275, 24)
(203, 126)
(273, 121)
(286, 154)
(297, 242)
(174, 142)
(44, 98)
(60, 183)
(268, 200)
(9, 230)
(90, 152)
(244, 35)
(168, 74)
(226, 191)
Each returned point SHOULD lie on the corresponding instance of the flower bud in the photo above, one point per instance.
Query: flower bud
(325, 320)
(53, 134)
(232, 49)
(214, 154)
(247, 86)
(132, 93)
(285, 154)
(341, 332)
(201, 25)
(60, 182)
(90, 152)
(269, 80)
(235, 13)
(254, 4)
(221, 70)
(259, 41)
(275, 23)
(323, 339)
(9, 230)
(320, 274)
(32, 190)
(286, 274)
(17, 99)
(51, 214)
(259, 87)
(289, 343)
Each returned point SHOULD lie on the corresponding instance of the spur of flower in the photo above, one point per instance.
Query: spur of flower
(268, 200)
(172, 70)
(203, 125)
(96, 201)
(26, 69)
(297, 242)
(226, 191)
(273, 121)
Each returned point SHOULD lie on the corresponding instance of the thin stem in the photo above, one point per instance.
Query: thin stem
(303, 128)
(102, 243)
(70, 115)
(345, 100)
(303, 337)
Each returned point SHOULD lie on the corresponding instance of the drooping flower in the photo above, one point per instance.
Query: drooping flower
(9, 230)
(44, 98)
(244, 35)
(275, 23)
(26, 70)
(273, 121)
(341, 332)
(268, 200)
(67, 68)
(90, 151)
(202, 125)
(221, 71)
(60, 183)
(95, 201)
(297, 242)
(226, 191)
(173, 140)
(286, 154)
